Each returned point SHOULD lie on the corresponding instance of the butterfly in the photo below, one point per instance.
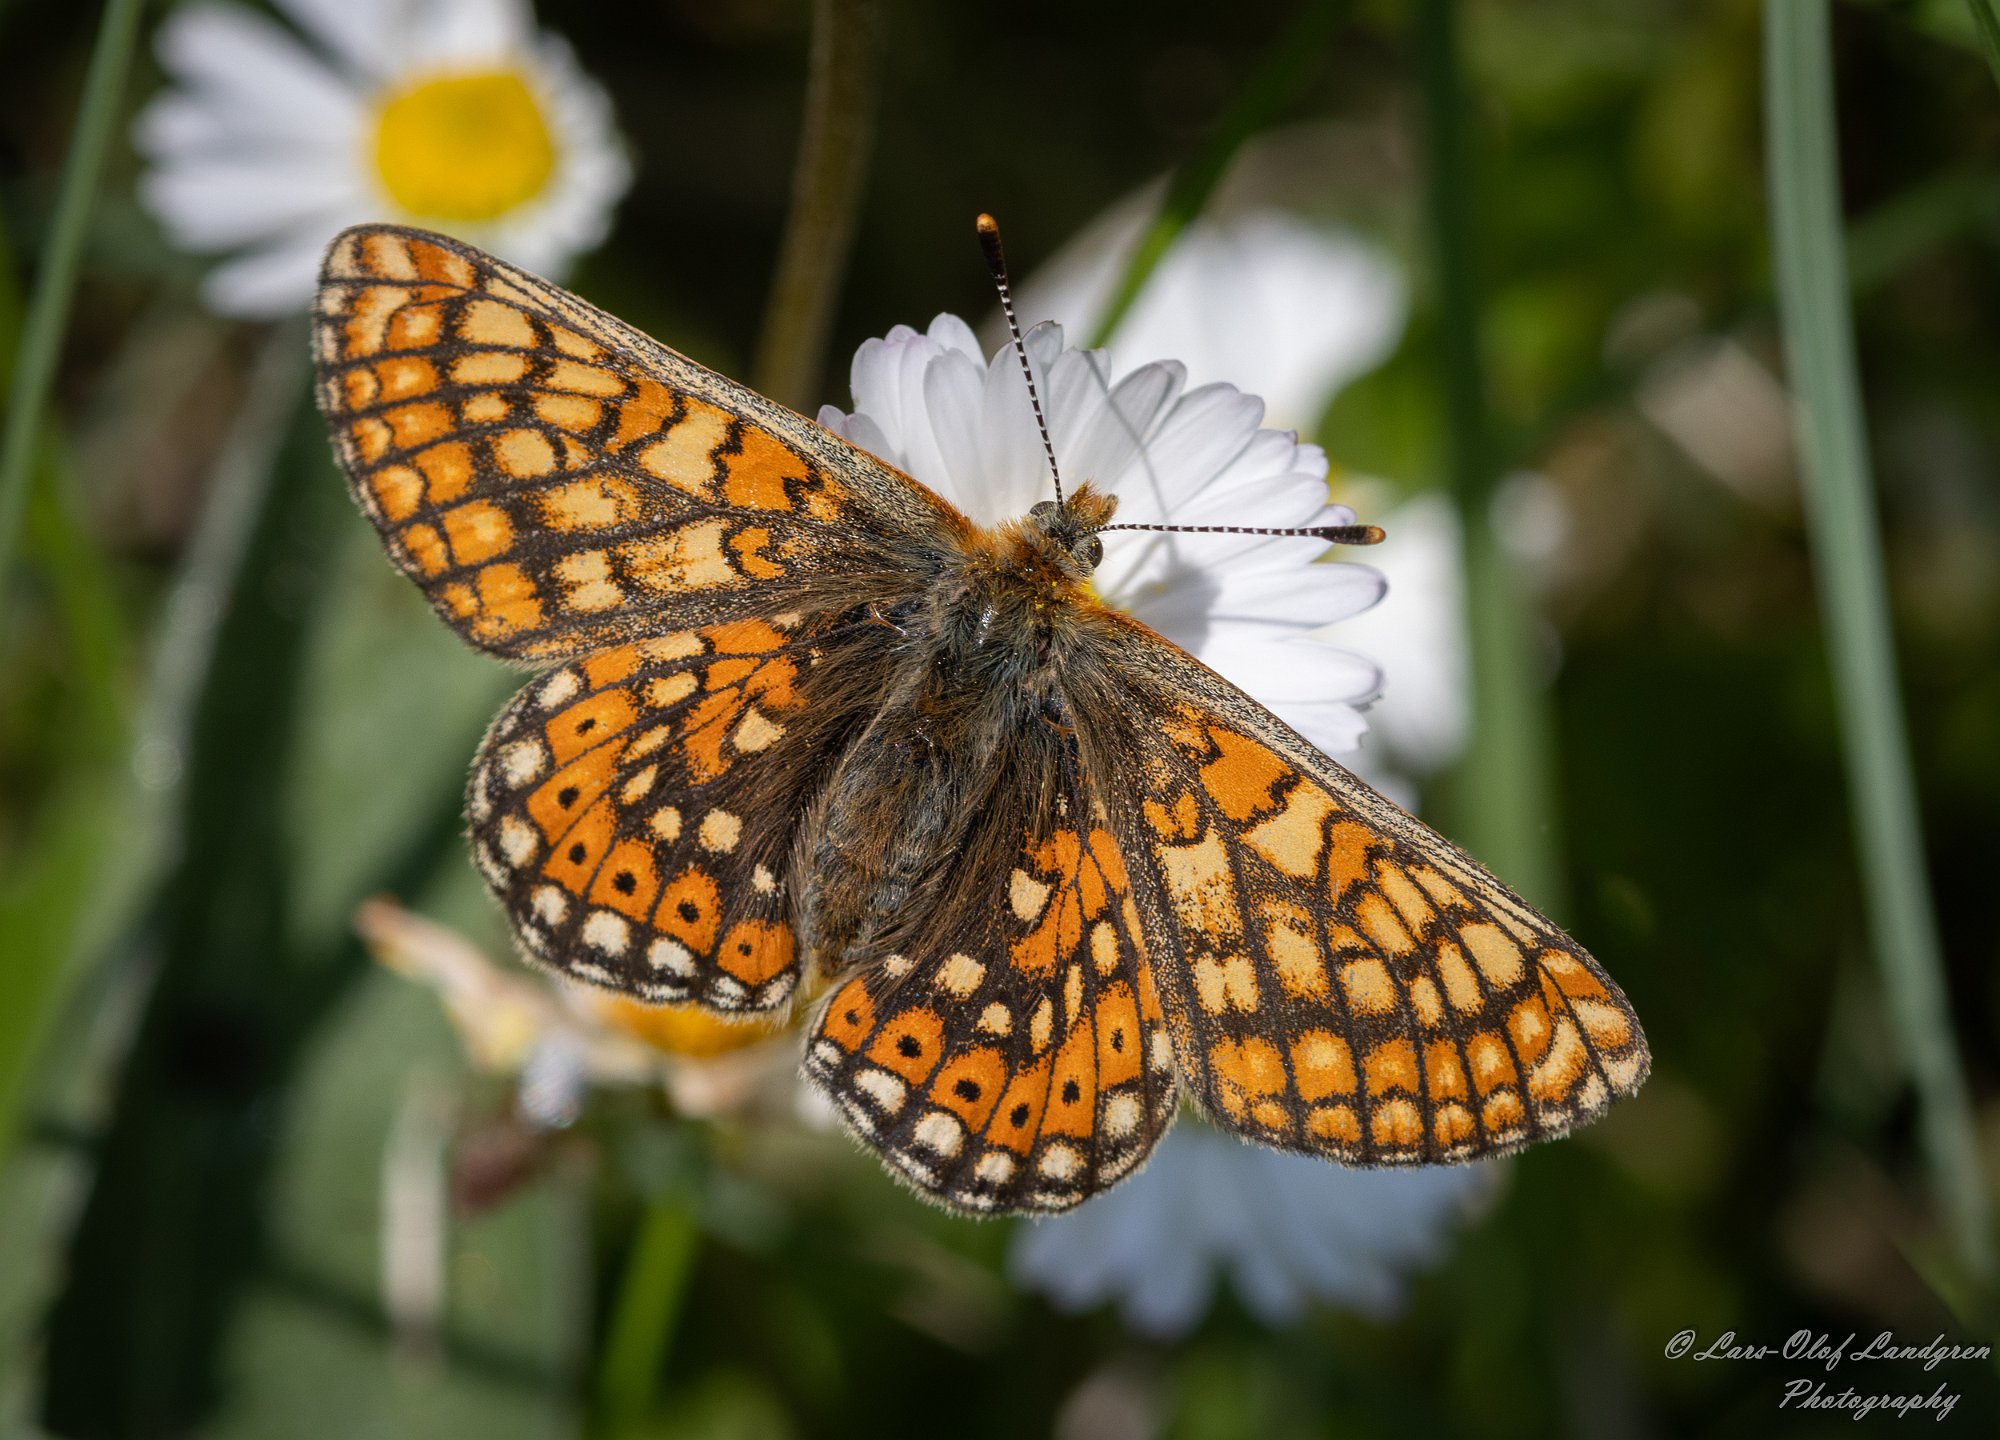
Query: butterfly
(803, 734)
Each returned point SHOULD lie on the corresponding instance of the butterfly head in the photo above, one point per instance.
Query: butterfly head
(1068, 529)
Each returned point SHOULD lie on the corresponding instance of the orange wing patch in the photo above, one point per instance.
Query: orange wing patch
(554, 481)
(1350, 983)
(1030, 1068)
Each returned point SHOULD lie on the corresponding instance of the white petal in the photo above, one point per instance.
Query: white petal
(1117, 437)
(1016, 472)
(179, 126)
(261, 87)
(1278, 670)
(954, 387)
(1075, 388)
(1419, 632)
(922, 456)
(213, 204)
(1284, 600)
(367, 35)
(875, 378)
(1270, 453)
(952, 333)
(1331, 727)
(1289, 1230)
(466, 33)
(264, 284)
(863, 431)
(1197, 440)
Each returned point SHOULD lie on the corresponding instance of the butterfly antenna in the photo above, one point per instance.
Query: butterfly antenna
(1332, 534)
(996, 262)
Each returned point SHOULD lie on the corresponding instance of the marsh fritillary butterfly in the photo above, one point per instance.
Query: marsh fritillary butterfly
(803, 730)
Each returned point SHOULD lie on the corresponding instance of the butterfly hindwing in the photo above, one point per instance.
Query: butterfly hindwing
(1337, 977)
(556, 482)
(635, 810)
(1016, 1058)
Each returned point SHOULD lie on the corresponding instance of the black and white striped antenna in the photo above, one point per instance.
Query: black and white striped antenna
(996, 262)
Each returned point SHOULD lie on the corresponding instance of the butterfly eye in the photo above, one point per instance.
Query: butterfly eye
(1093, 552)
(1041, 507)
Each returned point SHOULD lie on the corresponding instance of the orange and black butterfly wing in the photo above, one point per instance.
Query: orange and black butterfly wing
(636, 810)
(1015, 1058)
(568, 492)
(1337, 977)
(557, 483)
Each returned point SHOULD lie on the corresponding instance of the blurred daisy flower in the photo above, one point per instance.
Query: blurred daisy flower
(1278, 306)
(561, 1040)
(457, 115)
(1254, 607)
(1417, 726)
(1288, 1230)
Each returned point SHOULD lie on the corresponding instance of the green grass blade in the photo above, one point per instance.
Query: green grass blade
(1810, 265)
(642, 1319)
(1503, 786)
(1988, 25)
(48, 310)
(95, 864)
(1283, 72)
(835, 139)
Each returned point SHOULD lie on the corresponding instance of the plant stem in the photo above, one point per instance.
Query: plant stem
(1283, 72)
(1810, 266)
(834, 141)
(48, 309)
(1504, 779)
(642, 1320)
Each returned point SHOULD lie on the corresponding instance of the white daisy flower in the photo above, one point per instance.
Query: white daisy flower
(1288, 1230)
(1251, 606)
(456, 115)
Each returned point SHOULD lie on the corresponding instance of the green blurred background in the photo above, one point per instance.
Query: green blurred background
(223, 723)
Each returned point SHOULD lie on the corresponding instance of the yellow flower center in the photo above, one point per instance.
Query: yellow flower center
(678, 1029)
(468, 146)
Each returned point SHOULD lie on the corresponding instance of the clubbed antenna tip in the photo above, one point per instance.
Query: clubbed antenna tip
(996, 262)
(989, 241)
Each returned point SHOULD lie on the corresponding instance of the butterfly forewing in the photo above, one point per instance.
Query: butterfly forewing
(556, 482)
(1344, 980)
(565, 489)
